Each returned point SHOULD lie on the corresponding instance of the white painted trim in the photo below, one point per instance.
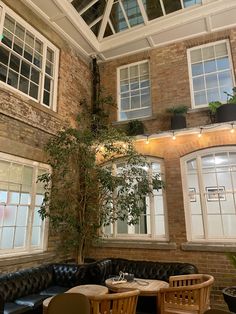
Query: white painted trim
(44, 235)
(190, 70)
(105, 19)
(167, 22)
(46, 43)
(118, 88)
(183, 160)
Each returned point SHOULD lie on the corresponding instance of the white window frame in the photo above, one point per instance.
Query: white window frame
(118, 90)
(118, 236)
(190, 71)
(183, 161)
(4, 9)
(29, 249)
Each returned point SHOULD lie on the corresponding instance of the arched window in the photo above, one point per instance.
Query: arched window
(152, 222)
(209, 186)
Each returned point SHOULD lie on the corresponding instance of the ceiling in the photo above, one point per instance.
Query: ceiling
(109, 29)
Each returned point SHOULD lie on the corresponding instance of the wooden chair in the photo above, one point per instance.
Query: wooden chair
(69, 303)
(115, 303)
(186, 294)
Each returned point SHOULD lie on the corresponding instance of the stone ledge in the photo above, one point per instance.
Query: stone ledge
(21, 259)
(137, 244)
(209, 247)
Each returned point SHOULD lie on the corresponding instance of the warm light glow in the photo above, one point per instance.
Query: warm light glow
(173, 137)
(200, 132)
(147, 140)
(232, 128)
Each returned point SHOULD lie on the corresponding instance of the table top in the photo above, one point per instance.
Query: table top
(88, 290)
(147, 287)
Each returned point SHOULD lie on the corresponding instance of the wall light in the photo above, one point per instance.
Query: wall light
(200, 132)
(173, 135)
(232, 128)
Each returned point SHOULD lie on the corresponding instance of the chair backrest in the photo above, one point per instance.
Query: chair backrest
(115, 303)
(187, 293)
(69, 303)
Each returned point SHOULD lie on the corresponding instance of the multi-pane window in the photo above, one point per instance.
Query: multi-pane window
(210, 194)
(134, 96)
(152, 222)
(210, 70)
(28, 62)
(21, 228)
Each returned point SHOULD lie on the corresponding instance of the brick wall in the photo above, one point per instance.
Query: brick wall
(26, 126)
(169, 79)
(170, 86)
(210, 261)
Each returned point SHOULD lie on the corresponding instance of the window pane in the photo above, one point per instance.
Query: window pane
(7, 238)
(215, 60)
(3, 73)
(20, 235)
(135, 85)
(36, 234)
(12, 79)
(9, 23)
(4, 56)
(153, 9)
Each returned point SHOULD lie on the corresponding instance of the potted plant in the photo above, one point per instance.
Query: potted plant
(178, 118)
(213, 106)
(229, 293)
(135, 127)
(224, 112)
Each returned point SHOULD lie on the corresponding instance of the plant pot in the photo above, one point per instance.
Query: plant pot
(226, 112)
(229, 294)
(178, 122)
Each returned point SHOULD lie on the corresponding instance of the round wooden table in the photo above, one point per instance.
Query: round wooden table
(88, 290)
(147, 287)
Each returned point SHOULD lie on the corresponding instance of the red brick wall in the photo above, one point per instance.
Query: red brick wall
(214, 263)
(170, 86)
(169, 79)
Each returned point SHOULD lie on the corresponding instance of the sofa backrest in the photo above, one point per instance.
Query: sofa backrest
(152, 270)
(67, 275)
(25, 282)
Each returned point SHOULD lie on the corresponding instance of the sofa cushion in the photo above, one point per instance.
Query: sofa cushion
(13, 308)
(53, 290)
(32, 300)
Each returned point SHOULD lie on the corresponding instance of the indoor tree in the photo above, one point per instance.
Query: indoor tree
(82, 194)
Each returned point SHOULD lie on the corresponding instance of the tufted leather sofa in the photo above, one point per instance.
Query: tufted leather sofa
(24, 291)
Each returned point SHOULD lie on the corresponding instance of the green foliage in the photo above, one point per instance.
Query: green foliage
(82, 194)
(178, 110)
(232, 257)
(231, 99)
(213, 105)
(135, 127)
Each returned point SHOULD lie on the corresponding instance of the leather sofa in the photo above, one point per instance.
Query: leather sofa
(24, 291)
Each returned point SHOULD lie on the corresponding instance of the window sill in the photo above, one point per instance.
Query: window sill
(136, 244)
(209, 247)
(15, 259)
(140, 119)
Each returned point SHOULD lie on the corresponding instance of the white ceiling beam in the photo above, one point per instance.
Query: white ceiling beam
(124, 13)
(143, 11)
(158, 25)
(79, 23)
(95, 21)
(87, 7)
(105, 19)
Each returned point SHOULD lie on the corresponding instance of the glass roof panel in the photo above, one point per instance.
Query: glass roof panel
(172, 5)
(132, 11)
(153, 9)
(189, 3)
(117, 18)
(125, 14)
(80, 4)
(94, 11)
(108, 31)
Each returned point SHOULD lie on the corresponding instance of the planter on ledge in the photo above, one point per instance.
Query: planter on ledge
(226, 112)
(178, 122)
(229, 294)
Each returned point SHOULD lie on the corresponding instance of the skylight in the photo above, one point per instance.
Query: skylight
(108, 17)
